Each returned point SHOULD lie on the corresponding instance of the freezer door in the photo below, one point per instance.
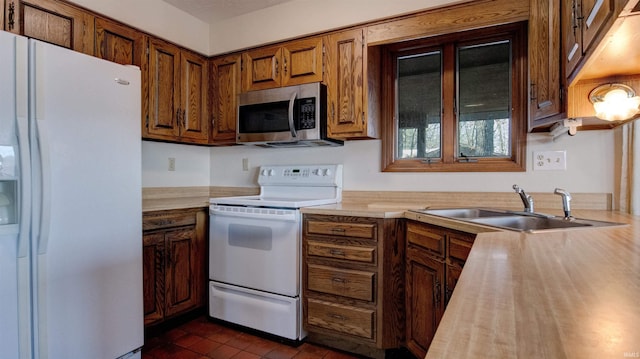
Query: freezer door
(88, 233)
(15, 320)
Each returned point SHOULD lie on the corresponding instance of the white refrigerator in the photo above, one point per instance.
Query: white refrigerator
(70, 204)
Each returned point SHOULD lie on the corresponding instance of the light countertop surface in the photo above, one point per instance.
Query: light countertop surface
(565, 294)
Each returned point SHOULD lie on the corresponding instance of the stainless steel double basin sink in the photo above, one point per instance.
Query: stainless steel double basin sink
(515, 220)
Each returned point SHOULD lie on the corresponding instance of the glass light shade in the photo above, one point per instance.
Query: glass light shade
(615, 102)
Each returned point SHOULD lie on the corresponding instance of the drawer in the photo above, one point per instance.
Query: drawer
(426, 237)
(351, 253)
(459, 247)
(358, 230)
(341, 318)
(344, 282)
(161, 220)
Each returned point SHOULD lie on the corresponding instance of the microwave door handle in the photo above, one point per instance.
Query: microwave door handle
(291, 105)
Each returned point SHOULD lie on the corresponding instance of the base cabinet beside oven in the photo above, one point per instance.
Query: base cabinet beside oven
(435, 257)
(353, 293)
(174, 263)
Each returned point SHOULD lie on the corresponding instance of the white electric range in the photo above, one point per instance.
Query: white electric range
(256, 244)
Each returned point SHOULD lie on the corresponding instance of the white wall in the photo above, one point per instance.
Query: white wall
(303, 17)
(156, 17)
(590, 157)
(192, 165)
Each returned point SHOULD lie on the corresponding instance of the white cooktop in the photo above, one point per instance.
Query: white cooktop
(294, 186)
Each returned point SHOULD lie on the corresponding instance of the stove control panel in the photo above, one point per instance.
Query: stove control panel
(308, 175)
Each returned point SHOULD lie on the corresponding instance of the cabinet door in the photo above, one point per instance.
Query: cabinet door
(194, 118)
(302, 62)
(153, 277)
(345, 84)
(571, 34)
(424, 299)
(595, 17)
(226, 85)
(261, 68)
(164, 91)
(52, 21)
(181, 292)
(544, 61)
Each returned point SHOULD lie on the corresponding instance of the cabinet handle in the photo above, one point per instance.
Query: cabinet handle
(277, 67)
(178, 122)
(339, 230)
(337, 316)
(185, 124)
(436, 293)
(11, 18)
(533, 94)
(336, 252)
(333, 110)
(284, 66)
(338, 280)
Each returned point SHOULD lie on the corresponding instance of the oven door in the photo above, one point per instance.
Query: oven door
(256, 248)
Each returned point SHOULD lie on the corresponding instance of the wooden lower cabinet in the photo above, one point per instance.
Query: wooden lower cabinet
(174, 263)
(434, 260)
(353, 291)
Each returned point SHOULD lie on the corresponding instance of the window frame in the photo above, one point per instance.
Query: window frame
(447, 44)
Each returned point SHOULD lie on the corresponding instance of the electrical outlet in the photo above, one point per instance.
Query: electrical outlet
(172, 164)
(549, 160)
(245, 164)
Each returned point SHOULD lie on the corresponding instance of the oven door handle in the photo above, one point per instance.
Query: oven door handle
(266, 213)
(292, 127)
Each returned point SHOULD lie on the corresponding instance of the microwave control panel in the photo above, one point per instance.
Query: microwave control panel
(307, 113)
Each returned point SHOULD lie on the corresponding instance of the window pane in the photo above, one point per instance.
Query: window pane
(484, 100)
(419, 106)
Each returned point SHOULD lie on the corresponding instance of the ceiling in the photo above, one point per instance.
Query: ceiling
(216, 10)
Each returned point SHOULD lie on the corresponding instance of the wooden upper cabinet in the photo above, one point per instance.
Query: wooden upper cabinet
(596, 14)
(545, 68)
(119, 43)
(261, 68)
(178, 81)
(292, 63)
(302, 62)
(194, 117)
(226, 85)
(571, 35)
(346, 84)
(164, 90)
(582, 22)
(52, 21)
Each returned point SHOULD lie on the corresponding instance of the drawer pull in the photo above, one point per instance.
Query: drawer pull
(337, 316)
(339, 280)
(336, 252)
(339, 230)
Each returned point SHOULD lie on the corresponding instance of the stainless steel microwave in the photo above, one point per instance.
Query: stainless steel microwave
(292, 116)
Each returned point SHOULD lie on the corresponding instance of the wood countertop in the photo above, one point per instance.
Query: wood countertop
(565, 294)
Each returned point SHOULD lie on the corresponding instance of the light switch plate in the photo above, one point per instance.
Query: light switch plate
(549, 160)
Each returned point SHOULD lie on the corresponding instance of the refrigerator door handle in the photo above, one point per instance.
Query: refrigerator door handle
(45, 173)
(25, 190)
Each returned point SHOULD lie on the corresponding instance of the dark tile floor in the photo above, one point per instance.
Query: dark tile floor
(202, 338)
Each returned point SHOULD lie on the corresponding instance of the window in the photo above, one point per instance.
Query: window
(456, 102)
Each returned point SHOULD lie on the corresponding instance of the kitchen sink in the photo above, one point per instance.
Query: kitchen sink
(515, 220)
(466, 212)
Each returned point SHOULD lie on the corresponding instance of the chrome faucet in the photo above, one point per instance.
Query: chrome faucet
(566, 202)
(527, 200)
